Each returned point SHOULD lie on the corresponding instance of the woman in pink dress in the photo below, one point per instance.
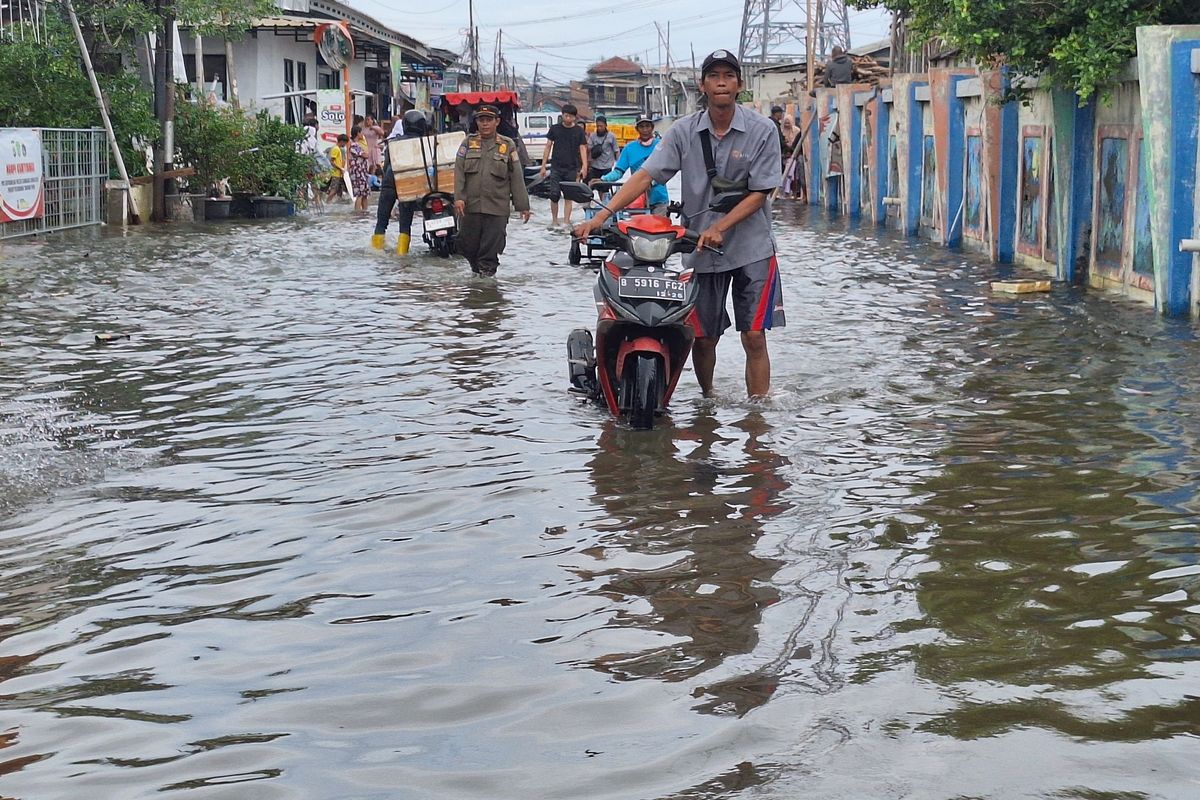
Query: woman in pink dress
(359, 169)
(374, 135)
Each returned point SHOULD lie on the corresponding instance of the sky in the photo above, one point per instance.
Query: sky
(565, 38)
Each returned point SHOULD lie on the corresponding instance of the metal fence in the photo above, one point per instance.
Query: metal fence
(74, 169)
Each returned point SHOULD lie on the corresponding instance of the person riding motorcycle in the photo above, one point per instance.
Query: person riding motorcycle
(633, 155)
(414, 125)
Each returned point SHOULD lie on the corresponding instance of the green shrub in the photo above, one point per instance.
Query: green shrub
(270, 162)
(209, 138)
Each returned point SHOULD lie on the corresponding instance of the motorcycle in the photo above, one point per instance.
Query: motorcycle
(645, 328)
(439, 224)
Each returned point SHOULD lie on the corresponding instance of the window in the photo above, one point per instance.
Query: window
(214, 73)
(328, 79)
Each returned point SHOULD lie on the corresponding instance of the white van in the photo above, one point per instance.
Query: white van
(534, 126)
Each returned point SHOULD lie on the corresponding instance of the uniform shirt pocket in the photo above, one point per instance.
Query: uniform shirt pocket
(473, 164)
(498, 165)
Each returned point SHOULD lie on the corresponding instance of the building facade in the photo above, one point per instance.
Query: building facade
(278, 66)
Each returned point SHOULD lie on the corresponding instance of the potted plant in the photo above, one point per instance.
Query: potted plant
(272, 168)
(208, 138)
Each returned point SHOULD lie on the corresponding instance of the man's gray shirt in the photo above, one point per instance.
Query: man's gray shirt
(750, 150)
(608, 151)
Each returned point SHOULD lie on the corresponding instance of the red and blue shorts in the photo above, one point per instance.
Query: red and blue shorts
(757, 299)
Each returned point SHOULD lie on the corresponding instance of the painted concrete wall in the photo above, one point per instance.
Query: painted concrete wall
(1101, 192)
(1168, 70)
(1118, 195)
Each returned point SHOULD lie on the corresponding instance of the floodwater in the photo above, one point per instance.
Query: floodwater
(327, 525)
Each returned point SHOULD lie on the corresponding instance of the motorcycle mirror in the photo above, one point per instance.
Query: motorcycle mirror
(538, 186)
(576, 191)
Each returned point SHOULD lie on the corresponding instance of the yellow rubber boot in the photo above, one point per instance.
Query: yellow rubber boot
(402, 245)
(377, 241)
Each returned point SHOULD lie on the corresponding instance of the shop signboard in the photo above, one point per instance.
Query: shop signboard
(331, 115)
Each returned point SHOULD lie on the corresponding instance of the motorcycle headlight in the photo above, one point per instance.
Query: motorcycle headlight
(650, 248)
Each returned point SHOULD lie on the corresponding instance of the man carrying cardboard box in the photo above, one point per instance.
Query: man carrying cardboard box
(414, 125)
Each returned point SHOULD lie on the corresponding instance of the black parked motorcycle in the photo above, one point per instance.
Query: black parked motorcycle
(439, 224)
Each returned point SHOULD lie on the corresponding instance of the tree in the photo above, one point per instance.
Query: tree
(1077, 44)
(43, 86)
(228, 19)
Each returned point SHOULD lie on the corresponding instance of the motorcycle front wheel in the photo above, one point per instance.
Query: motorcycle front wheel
(645, 389)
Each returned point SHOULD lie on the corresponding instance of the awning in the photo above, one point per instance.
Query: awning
(364, 30)
(475, 98)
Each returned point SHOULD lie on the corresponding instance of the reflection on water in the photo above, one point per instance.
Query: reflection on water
(327, 525)
(688, 514)
(1067, 558)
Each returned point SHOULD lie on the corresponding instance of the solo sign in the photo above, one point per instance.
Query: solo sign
(21, 193)
(331, 115)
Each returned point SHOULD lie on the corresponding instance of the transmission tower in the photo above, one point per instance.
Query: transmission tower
(776, 31)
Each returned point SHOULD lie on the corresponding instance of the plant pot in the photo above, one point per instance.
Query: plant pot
(241, 206)
(198, 211)
(176, 209)
(217, 208)
(272, 207)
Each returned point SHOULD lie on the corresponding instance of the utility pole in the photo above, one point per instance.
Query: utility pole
(666, 105)
(473, 38)
(822, 50)
(475, 62)
(533, 86)
(659, 31)
(808, 46)
(164, 96)
(766, 37)
(494, 85)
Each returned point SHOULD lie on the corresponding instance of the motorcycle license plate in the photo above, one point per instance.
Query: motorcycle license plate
(651, 288)
(439, 223)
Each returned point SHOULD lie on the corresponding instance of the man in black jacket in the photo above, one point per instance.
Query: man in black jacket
(839, 69)
(414, 126)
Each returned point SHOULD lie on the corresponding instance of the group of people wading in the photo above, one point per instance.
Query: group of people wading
(744, 146)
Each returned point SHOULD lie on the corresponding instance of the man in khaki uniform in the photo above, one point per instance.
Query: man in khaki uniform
(488, 182)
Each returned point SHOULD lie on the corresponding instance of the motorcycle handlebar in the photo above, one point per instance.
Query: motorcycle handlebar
(694, 238)
(614, 239)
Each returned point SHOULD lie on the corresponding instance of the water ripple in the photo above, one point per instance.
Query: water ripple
(326, 524)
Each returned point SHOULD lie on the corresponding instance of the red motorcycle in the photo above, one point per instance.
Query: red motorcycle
(645, 329)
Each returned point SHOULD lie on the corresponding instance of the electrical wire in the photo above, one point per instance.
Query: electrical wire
(392, 7)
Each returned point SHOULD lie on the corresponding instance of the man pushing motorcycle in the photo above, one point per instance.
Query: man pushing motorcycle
(728, 161)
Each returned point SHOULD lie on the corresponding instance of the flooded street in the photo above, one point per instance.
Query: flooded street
(327, 525)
